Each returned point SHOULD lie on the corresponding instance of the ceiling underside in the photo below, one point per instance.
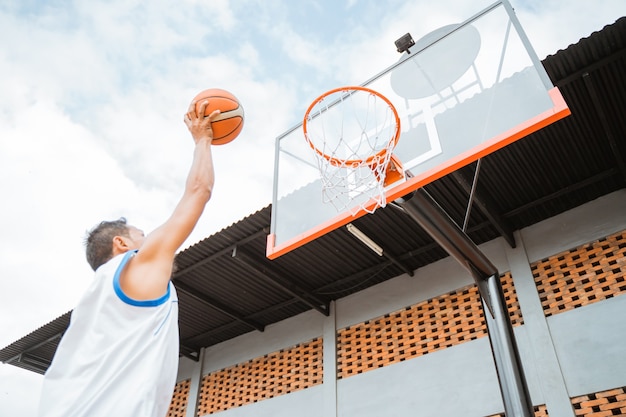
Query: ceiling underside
(227, 287)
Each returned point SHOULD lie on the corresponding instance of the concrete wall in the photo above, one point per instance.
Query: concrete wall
(577, 352)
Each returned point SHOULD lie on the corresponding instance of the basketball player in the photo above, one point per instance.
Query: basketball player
(119, 356)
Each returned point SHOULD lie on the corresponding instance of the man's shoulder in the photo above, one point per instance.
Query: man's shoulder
(115, 262)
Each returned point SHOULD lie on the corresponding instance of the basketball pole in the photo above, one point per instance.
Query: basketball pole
(422, 208)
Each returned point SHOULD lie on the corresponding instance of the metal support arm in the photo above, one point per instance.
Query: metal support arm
(422, 208)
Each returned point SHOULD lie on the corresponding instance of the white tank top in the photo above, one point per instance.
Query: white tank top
(118, 357)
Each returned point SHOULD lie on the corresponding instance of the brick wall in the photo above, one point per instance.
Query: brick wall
(178, 406)
(581, 276)
(572, 279)
(601, 404)
(417, 330)
(275, 374)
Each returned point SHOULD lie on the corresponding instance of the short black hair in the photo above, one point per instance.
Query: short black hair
(99, 241)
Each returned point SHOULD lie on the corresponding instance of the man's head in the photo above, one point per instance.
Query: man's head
(110, 238)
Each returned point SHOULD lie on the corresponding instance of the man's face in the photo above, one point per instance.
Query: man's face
(136, 237)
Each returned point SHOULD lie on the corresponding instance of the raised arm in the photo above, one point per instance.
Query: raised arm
(148, 272)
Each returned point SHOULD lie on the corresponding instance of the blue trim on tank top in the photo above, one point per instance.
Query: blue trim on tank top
(137, 303)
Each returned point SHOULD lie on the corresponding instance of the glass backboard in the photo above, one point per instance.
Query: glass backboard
(461, 92)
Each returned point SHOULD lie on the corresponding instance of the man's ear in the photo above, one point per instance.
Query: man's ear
(119, 245)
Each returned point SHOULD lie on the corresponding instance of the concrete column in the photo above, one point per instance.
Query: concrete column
(195, 386)
(542, 348)
(330, 363)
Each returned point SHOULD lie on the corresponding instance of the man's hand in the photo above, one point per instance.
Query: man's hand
(198, 124)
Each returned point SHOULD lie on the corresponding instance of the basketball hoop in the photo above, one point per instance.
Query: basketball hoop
(353, 131)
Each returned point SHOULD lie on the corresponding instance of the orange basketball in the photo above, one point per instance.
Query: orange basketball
(227, 126)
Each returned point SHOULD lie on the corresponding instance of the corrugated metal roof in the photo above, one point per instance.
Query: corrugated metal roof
(227, 287)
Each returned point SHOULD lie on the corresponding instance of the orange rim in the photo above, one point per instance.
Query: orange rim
(372, 160)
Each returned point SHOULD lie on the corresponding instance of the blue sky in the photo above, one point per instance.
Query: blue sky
(92, 95)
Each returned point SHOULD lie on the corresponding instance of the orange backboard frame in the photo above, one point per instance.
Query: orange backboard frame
(558, 111)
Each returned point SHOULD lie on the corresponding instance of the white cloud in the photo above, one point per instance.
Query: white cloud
(91, 106)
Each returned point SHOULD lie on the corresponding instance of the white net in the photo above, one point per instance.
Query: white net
(352, 131)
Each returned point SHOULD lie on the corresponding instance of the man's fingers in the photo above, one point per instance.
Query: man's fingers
(194, 111)
(196, 120)
(214, 114)
(202, 108)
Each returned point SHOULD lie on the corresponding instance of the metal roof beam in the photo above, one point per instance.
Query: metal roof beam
(602, 117)
(205, 299)
(602, 63)
(376, 248)
(228, 250)
(484, 203)
(194, 355)
(399, 264)
(564, 191)
(35, 346)
(367, 273)
(230, 325)
(261, 271)
(35, 361)
(209, 333)
(31, 368)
